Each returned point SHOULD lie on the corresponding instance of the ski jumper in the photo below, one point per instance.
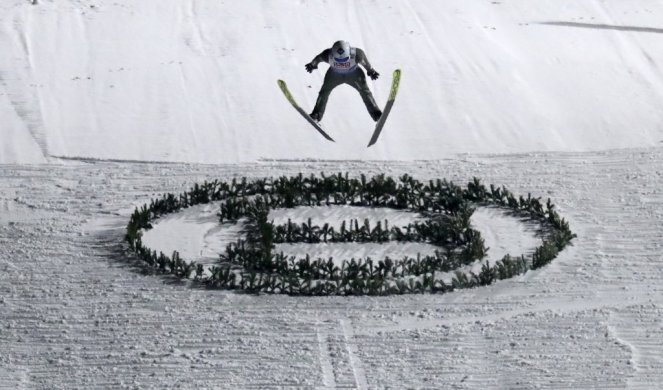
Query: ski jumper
(345, 71)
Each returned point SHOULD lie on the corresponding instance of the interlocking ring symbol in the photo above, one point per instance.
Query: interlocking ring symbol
(252, 265)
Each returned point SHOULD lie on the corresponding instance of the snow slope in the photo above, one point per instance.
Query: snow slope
(195, 80)
(76, 313)
(559, 98)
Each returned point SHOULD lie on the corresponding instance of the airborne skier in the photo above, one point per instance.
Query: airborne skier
(344, 62)
(344, 68)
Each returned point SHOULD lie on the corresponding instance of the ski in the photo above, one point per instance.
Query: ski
(395, 82)
(288, 95)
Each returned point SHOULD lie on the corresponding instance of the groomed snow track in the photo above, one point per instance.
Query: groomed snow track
(76, 312)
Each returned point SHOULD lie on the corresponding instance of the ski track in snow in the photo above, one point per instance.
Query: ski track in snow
(355, 362)
(328, 379)
(78, 312)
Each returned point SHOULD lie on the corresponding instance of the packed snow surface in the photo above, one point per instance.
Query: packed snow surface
(195, 80)
(79, 312)
(105, 105)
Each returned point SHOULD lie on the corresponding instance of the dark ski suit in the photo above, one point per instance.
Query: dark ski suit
(347, 72)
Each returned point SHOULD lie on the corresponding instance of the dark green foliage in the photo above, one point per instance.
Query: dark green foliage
(200, 271)
(544, 254)
(487, 275)
(509, 267)
(251, 264)
(460, 280)
(222, 277)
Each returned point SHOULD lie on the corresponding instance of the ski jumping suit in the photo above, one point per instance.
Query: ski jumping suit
(345, 72)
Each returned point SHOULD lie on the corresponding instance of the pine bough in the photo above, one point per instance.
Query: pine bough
(251, 265)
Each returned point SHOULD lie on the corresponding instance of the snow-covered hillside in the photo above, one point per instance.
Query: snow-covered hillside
(105, 104)
(76, 313)
(195, 80)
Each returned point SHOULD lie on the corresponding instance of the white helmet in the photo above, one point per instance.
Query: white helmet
(341, 50)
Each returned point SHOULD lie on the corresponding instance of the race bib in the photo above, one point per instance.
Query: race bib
(344, 64)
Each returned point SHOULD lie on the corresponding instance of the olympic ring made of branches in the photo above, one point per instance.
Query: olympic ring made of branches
(252, 264)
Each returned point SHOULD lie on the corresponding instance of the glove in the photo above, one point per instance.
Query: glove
(310, 67)
(373, 74)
